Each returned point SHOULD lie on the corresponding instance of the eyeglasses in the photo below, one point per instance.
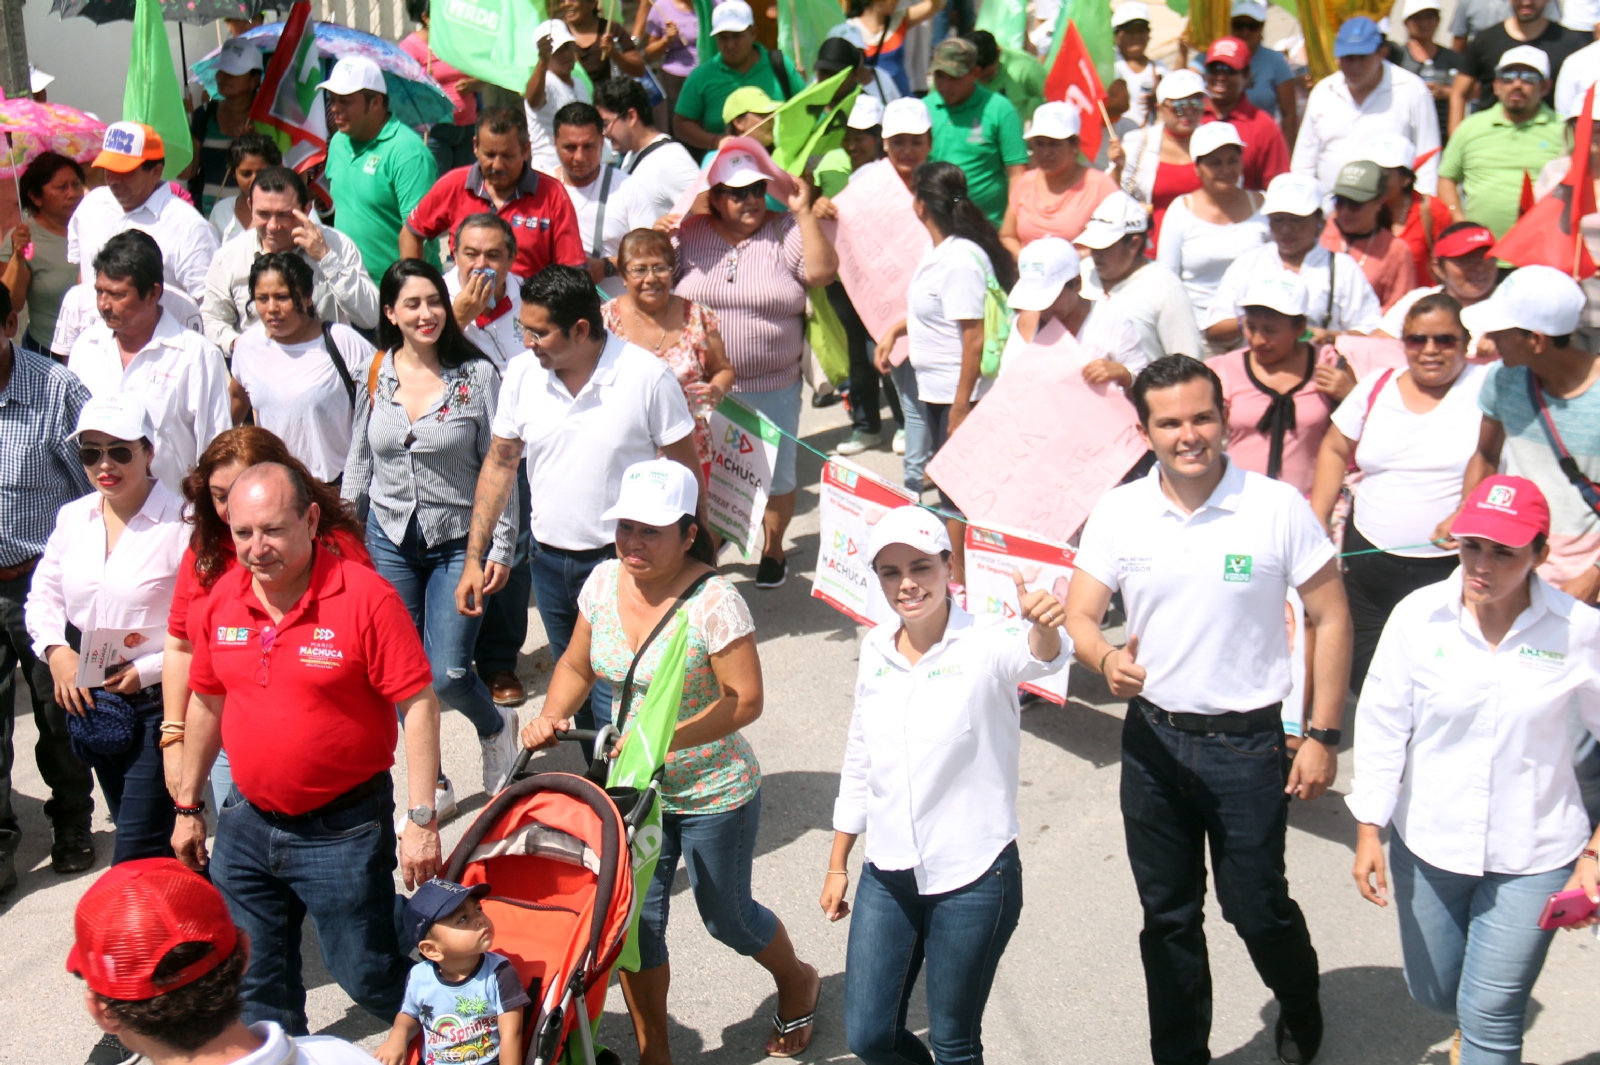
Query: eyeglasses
(756, 191)
(1191, 104)
(1527, 77)
(1418, 341)
(122, 454)
(644, 270)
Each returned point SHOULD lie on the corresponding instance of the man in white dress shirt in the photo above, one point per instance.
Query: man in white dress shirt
(1366, 99)
(661, 166)
(138, 348)
(136, 197)
(603, 196)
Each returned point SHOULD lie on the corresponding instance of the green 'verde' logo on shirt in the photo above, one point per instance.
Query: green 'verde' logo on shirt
(1236, 568)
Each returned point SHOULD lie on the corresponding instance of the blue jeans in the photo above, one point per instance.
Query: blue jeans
(505, 615)
(960, 934)
(339, 870)
(426, 579)
(955, 19)
(1587, 765)
(558, 577)
(1473, 948)
(919, 437)
(135, 786)
(1180, 792)
(718, 850)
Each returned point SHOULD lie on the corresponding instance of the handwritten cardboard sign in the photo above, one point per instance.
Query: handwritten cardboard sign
(880, 241)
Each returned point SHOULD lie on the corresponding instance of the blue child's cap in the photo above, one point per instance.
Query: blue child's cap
(1358, 36)
(433, 901)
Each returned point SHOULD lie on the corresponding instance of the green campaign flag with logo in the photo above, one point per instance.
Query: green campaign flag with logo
(1094, 26)
(1007, 20)
(811, 123)
(648, 736)
(491, 40)
(802, 27)
(152, 94)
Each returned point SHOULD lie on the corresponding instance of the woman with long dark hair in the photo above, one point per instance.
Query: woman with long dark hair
(415, 457)
(50, 189)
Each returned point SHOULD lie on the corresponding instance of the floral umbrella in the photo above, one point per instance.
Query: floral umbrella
(32, 129)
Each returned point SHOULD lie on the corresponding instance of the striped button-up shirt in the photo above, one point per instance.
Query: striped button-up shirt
(428, 468)
(39, 470)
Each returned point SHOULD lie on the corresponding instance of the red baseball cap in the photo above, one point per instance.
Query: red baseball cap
(1464, 241)
(137, 912)
(1230, 51)
(1507, 510)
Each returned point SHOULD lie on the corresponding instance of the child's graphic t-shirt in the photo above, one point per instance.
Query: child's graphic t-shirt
(460, 1021)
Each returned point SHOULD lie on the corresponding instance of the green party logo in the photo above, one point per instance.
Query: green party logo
(1236, 568)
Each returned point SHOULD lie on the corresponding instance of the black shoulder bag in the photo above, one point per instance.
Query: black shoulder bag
(1569, 465)
(338, 363)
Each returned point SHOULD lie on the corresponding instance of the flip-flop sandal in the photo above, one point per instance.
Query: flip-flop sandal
(783, 1028)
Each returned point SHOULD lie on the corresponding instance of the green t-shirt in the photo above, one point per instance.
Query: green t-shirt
(709, 84)
(1020, 79)
(1487, 156)
(983, 136)
(833, 172)
(375, 185)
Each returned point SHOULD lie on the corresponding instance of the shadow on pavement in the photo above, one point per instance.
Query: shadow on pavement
(792, 804)
(1078, 729)
(33, 852)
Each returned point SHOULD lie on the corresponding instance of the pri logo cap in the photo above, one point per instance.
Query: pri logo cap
(1507, 510)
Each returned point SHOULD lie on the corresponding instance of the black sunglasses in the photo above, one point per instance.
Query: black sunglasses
(757, 191)
(1419, 341)
(122, 454)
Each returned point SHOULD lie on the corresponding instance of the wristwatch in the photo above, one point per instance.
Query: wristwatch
(421, 815)
(1328, 737)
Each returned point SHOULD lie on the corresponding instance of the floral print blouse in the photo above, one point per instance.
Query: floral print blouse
(686, 358)
(716, 777)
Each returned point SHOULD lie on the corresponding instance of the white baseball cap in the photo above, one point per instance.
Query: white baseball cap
(1391, 151)
(1133, 11)
(1294, 194)
(1540, 299)
(911, 525)
(556, 30)
(731, 16)
(1256, 9)
(1056, 121)
(352, 74)
(1211, 136)
(1180, 85)
(865, 113)
(1117, 216)
(118, 415)
(1043, 270)
(238, 57)
(658, 493)
(1417, 7)
(1524, 55)
(905, 115)
(1283, 292)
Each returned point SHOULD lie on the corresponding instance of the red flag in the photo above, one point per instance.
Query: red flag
(1550, 234)
(1525, 204)
(288, 99)
(1074, 79)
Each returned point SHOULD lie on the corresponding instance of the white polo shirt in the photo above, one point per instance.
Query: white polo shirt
(496, 332)
(180, 376)
(930, 768)
(187, 241)
(1336, 130)
(1468, 750)
(1205, 592)
(579, 446)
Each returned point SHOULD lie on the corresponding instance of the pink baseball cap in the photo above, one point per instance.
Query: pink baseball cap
(1507, 510)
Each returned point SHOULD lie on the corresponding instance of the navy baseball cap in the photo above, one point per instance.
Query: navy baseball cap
(1358, 36)
(435, 900)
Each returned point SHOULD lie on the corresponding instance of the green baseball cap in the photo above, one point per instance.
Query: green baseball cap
(1361, 181)
(747, 99)
(955, 56)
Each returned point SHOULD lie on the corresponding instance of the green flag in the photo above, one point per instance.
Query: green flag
(152, 95)
(1007, 20)
(707, 48)
(491, 40)
(644, 750)
(811, 122)
(802, 27)
(1094, 26)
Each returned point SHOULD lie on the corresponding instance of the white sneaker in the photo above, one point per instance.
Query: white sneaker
(500, 751)
(899, 445)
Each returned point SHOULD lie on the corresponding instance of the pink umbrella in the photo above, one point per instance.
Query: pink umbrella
(31, 129)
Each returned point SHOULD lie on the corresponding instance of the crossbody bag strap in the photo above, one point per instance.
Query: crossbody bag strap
(780, 72)
(1372, 401)
(598, 244)
(627, 682)
(652, 146)
(1569, 465)
(1332, 258)
(338, 363)
(1427, 221)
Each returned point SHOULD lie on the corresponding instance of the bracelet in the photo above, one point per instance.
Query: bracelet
(839, 872)
(198, 810)
(171, 739)
(1103, 658)
(1589, 852)
(169, 727)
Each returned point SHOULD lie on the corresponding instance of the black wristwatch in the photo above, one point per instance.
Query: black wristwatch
(1328, 737)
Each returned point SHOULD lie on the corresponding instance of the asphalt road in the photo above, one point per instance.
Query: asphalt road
(1070, 988)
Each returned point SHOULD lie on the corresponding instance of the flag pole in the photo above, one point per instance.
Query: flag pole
(16, 185)
(1106, 118)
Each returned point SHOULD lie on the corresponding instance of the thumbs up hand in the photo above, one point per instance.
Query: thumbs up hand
(1124, 675)
(1038, 607)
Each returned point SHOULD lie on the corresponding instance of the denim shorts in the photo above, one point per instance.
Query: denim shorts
(782, 408)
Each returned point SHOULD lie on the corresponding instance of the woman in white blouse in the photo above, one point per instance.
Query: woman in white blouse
(1466, 748)
(106, 579)
(930, 774)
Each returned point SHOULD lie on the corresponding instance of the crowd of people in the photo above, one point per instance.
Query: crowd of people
(291, 476)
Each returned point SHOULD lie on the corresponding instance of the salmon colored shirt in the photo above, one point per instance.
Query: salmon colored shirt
(1384, 258)
(1042, 213)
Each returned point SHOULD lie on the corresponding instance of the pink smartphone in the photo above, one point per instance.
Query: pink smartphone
(1566, 908)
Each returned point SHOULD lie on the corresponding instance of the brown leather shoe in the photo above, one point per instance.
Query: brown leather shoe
(506, 689)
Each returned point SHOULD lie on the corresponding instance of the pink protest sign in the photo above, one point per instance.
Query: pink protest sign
(1370, 355)
(880, 241)
(1042, 447)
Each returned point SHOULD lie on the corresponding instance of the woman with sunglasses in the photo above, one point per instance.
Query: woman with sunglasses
(682, 333)
(106, 579)
(1152, 163)
(751, 267)
(1410, 434)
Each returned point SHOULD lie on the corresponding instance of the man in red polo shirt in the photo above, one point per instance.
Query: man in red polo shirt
(501, 182)
(1227, 77)
(312, 654)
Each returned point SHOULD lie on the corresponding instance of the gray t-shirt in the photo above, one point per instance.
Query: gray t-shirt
(52, 276)
(1473, 16)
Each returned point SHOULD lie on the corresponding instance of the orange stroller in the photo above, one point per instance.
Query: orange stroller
(554, 849)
